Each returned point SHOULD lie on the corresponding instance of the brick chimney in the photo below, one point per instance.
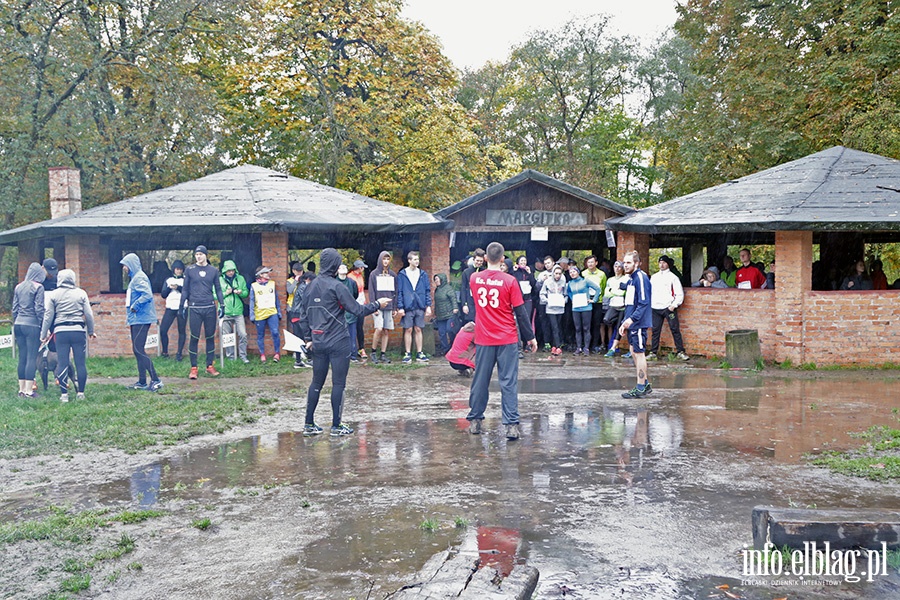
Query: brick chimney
(65, 191)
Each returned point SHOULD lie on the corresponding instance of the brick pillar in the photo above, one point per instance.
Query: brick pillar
(274, 253)
(29, 252)
(434, 248)
(627, 241)
(794, 252)
(90, 261)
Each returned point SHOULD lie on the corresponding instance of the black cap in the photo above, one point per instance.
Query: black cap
(178, 265)
(201, 248)
(666, 260)
(50, 265)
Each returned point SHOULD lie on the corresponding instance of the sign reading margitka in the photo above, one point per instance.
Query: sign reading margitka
(539, 218)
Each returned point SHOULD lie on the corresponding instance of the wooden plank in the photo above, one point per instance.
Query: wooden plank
(842, 528)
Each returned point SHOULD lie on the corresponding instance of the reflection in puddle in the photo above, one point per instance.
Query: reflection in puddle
(586, 490)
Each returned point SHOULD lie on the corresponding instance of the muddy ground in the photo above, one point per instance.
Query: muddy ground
(608, 498)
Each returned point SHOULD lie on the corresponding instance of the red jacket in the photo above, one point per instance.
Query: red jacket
(463, 350)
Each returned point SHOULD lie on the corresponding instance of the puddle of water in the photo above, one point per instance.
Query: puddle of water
(654, 500)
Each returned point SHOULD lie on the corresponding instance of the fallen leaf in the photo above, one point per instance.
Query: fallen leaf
(877, 466)
(724, 586)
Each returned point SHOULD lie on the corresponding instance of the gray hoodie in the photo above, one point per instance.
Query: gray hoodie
(67, 307)
(28, 299)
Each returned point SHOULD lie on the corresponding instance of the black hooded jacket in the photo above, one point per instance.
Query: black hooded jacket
(324, 303)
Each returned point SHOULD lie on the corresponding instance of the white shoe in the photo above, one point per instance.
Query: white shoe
(79, 396)
(64, 398)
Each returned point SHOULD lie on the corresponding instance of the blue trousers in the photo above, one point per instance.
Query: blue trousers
(445, 334)
(507, 360)
(272, 324)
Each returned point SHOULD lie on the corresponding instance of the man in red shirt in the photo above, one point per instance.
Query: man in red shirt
(499, 319)
(748, 276)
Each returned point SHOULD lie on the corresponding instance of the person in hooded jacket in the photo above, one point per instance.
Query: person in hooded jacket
(324, 327)
(383, 284)
(201, 292)
(446, 310)
(265, 311)
(171, 293)
(68, 310)
(234, 289)
(28, 316)
(141, 315)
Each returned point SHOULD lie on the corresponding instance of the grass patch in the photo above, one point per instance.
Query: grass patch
(460, 522)
(202, 524)
(63, 526)
(430, 525)
(878, 460)
(116, 418)
(76, 584)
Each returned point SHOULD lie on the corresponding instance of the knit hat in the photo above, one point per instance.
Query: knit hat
(178, 265)
(666, 260)
(619, 264)
(201, 248)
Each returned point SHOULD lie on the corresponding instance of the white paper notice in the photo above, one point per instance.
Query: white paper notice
(384, 283)
(579, 300)
(526, 287)
(556, 300)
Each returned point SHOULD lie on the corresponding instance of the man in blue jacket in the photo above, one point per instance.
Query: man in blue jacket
(413, 305)
(638, 319)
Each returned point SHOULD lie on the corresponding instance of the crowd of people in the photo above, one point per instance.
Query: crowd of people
(499, 309)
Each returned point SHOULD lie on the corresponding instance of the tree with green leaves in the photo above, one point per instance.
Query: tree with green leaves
(779, 80)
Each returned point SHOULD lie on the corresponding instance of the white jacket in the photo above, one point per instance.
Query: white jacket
(665, 290)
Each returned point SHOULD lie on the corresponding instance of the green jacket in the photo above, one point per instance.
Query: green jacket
(444, 299)
(234, 302)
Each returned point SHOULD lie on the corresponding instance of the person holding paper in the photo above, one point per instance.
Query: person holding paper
(596, 274)
(582, 292)
(234, 289)
(358, 277)
(265, 311)
(522, 272)
(553, 296)
(383, 284)
(748, 276)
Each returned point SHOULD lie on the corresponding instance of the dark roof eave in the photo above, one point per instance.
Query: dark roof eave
(769, 226)
(39, 232)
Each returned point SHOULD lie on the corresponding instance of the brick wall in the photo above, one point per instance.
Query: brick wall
(29, 252)
(707, 314)
(90, 261)
(851, 328)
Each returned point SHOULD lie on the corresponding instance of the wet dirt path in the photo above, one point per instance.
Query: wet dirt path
(608, 498)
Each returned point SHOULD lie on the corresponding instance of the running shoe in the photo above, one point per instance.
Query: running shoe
(211, 370)
(311, 429)
(341, 430)
(155, 386)
(421, 357)
(475, 426)
(407, 359)
(137, 385)
(193, 374)
(512, 432)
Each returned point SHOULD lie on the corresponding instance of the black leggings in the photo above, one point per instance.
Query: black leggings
(168, 318)
(338, 357)
(614, 318)
(202, 317)
(582, 321)
(76, 341)
(138, 340)
(28, 340)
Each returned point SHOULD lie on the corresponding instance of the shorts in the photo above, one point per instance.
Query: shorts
(383, 319)
(413, 318)
(637, 339)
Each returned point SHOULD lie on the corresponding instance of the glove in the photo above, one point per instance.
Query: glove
(182, 312)
(221, 312)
